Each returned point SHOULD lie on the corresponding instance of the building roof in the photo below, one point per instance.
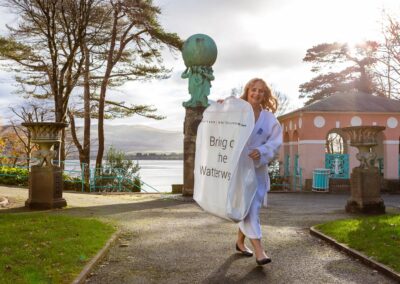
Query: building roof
(352, 102)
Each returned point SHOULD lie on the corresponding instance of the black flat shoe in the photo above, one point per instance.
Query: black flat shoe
(244, 252)
(263, 261)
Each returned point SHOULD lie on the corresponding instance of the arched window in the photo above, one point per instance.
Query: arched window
(335, 143)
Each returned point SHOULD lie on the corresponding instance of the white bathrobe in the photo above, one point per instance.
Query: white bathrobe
(267, 138)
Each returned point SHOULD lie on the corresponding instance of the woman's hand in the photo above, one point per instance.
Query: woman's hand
(255, 154)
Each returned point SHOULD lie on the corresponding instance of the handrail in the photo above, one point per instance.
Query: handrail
(120, 177)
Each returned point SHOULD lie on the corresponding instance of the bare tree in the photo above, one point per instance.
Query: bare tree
(30, 112)
(283, 101)
(387, 69)
(132, 51)
(45, 45)
(63, 47)
(355, 70)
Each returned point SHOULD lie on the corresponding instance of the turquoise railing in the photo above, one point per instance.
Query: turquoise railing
(286, 166)
(297, 174)
(115, 178)
(111, 179)
(338, 165)
(380, 165)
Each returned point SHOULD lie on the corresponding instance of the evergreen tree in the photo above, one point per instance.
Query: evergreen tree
(86, 46)
(42, 49)
(339, 69)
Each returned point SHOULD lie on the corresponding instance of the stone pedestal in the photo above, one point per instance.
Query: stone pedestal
(45, 179)
(365, 181)
(193, 118)
(365, 192)
(45, 188)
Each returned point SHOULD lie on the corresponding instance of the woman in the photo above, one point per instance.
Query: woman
(263, 146)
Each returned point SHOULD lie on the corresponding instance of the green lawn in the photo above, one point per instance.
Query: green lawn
(46, 248)
(377, 237)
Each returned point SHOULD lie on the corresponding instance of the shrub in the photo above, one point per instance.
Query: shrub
(72, 183)
(19, 177)
(118, 173)
(276, 180)
(13, 176)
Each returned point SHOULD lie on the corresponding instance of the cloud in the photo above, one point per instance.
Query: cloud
(219, 19)
(243, 41)
(251, 56)
(6, 18)
(7, 97)
(255, 38)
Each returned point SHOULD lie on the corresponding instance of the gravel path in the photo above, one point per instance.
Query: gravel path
(171, 240)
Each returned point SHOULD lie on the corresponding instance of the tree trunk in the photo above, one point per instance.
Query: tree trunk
(84, 150)
(103, 89)
(85, 159)
(84, 153)
(100, 133)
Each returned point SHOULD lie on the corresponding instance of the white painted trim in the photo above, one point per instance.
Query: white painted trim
(290, 143)
(312, 142)
(391, 142)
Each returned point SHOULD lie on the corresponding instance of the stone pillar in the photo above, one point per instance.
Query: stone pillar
(391, 163)
(199, 53)
(311, 162)
(193, 118)
(45, 188)
(365, 181)
(292, 152)
(45, 179)
(281, 159)
(365, 192)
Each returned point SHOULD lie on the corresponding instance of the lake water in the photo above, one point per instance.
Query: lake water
(159, 174)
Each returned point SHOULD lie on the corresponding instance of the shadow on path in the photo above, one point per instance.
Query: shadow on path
(109, 209)
(220, 274)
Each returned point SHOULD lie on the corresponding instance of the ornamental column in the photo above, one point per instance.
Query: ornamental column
(45, 179)
(365, 179)
(199, 53)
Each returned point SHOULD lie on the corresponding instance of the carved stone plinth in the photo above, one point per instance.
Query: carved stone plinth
(45, 188)
(193, 118)
(365, 192)
(45, 179)
(365, 181)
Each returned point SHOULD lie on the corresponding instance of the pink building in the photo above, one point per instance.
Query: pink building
(313, 138)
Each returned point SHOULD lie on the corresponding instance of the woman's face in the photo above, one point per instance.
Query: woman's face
(256, 93)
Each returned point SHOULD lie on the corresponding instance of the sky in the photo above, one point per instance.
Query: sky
(255, 38)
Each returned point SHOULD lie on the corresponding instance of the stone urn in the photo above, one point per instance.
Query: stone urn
(45, 179)
(365, 179)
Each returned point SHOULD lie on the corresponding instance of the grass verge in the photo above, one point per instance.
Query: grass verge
(377, 237)
(45, 248)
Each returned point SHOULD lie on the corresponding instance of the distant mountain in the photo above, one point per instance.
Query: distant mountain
(131, 139)
(138, 139)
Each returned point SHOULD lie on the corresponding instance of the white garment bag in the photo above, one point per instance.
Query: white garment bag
(224, 176)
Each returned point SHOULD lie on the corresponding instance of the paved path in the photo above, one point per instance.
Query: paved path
(166, 240)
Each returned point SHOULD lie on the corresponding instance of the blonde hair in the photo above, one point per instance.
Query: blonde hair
(269, 101)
